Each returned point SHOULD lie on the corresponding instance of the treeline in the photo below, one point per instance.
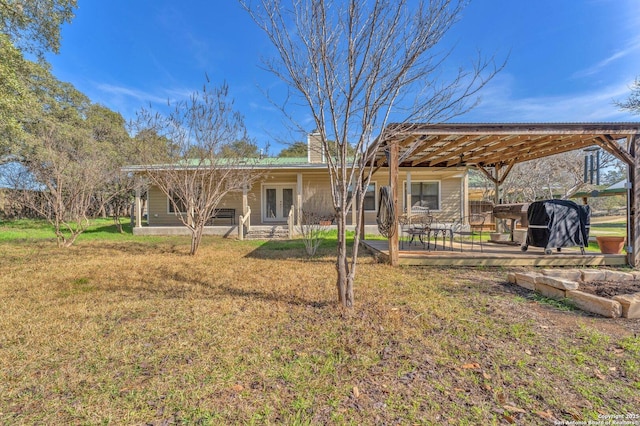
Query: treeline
(61, 153)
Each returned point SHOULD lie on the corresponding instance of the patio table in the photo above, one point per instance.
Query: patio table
(417, 225)
(445, 229)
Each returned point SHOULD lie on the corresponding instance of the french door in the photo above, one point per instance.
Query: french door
(277, 202)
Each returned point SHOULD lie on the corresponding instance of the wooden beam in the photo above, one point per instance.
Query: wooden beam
(491, 146)
(394, 241)
(496, 196)
(611, 146)
(409, 140)
(477, 143)
(633, 204)
(488, 154)
(491, 143)
(622, 129)
(531, 153)
(554, 150)
(421, 146)
(506, 172)
(444, 148)
(486, 173)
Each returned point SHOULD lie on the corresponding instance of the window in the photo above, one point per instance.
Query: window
(424, 194)
(369, 198)
(178, 202)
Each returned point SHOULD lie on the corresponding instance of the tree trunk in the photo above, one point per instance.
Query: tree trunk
(344, 282)
(116, 220)
(102, 211)
(196, 237)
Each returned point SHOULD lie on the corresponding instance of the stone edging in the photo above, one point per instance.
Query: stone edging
(565, 284)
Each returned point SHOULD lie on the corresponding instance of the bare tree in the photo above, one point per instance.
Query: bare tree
(65, 170)
(557, 176)
(632, 104)
(357, 65)
(201, 168)
(315, 219)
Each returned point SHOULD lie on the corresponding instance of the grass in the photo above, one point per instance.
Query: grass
(33, 230)
(128, 330)
(616, 228)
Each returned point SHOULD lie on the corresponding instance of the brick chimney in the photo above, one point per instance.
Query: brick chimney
(315, 151)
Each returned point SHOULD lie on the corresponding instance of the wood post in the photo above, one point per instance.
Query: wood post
(633, 204)
(393, 184)
(496, 195)
(138, 207)
(408, 195)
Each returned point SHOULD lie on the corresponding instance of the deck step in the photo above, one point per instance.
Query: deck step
(267, 233)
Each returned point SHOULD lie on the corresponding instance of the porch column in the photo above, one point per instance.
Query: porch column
(408, 194)
(465, 210)
(633, 204)
(393, 187)
(245, 200)
(496, 194)
(299, 201)
(138, 207)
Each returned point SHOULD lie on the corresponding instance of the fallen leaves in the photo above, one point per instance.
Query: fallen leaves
(547, 415)
(473, 365)
(513, 409)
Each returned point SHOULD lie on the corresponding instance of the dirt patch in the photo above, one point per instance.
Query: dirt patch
(610, 288)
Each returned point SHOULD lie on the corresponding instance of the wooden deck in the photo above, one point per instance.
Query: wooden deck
(492, 255)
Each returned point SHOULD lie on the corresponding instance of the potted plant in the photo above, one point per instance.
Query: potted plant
(610, 244)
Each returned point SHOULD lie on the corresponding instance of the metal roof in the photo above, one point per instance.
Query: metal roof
(249, 163)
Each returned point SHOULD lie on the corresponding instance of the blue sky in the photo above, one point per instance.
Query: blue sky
(567, 59)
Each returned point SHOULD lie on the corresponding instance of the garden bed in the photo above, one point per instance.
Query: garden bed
(610, 294)
(610, 288)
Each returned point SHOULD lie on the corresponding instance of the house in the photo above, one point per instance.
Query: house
(288, 183)
(434, 158)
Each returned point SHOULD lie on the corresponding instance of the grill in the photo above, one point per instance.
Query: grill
(557, 223)
(514, 212)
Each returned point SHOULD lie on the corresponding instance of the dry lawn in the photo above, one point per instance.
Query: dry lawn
(138, 332)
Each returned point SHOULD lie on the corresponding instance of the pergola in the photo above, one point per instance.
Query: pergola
(495, 148)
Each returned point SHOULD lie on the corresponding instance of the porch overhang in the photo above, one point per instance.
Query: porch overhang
(490, 145)
(494, 148)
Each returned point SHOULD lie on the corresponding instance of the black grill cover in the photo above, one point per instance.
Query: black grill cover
(558, 223)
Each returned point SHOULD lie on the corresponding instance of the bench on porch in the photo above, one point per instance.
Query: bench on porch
(224, 213)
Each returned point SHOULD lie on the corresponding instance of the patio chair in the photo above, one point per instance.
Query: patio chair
(415, 225)
(404, 222)
(469, 226)
(445, 229)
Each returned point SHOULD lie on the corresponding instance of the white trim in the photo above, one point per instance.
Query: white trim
(169, 207)
(375, 196)
(299, 196)
(404, 187)
(263, 200)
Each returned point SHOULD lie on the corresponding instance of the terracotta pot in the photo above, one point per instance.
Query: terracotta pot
(610, 245)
